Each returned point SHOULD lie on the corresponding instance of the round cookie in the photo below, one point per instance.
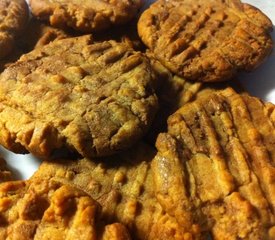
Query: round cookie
(206, 40)
(216, 162)
(93, 98)
(13, 18)
(85, 15)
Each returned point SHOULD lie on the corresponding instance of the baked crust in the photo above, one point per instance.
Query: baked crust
(50, 210)
(93, 98)
(123, 185)
(206, 40)
(36, 34)
(14, 15)
(84, 15)
(216, 163)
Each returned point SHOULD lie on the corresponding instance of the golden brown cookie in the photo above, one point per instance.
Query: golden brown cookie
(36, 34)
(84, 15)
(216, 163)
(206, 40)
(14, 15)
(123, 185)
(50, 210)
(93, 98)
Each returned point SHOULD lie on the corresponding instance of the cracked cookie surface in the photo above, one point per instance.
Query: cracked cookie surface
(123, 185)
(36, 35)
(206, 40)
(14, 15)
(50, 210)
(93, 98)
(216, 163)
(84, 15)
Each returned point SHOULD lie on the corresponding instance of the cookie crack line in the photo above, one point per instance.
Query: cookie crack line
(197, 174)
(222, 41)
(60, 90)
(88, 16)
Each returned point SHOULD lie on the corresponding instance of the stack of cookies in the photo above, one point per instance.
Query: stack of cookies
(143, 129)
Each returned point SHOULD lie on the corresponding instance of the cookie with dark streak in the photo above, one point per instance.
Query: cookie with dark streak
(14, 15)
(206, 41)
(216, 163)
(93, 98)
(50, 210)
(85, 15)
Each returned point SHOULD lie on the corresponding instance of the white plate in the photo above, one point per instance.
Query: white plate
(260, 83)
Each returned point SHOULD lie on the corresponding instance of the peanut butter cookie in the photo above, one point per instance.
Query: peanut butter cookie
(216, 163)
(84, 15)
(50, 210)
(206, 40)
(93, 98)
(123, 185)
(36, 34)
(14, 15)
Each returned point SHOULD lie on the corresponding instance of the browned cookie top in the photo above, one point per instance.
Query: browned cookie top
(95, 98)
(13, 18)
(50, 210)
(206, 40)
(123, 185)
(85, 15)
(217, 163)
(36, 34)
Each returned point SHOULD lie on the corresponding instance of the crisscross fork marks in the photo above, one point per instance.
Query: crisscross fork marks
(206, 41)
(98, 97)
(42, 209)
(124, 190)
(218, 143)
(85, 16)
